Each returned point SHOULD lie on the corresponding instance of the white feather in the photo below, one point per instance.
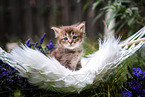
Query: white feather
(48, 73)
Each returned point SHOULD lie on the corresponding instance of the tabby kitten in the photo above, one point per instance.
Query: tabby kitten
(69, 45)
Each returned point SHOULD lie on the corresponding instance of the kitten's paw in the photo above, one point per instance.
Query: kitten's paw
(79, 66)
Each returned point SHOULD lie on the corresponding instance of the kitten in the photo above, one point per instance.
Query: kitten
(69, 45)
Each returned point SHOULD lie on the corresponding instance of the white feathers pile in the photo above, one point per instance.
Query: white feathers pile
(48, 73)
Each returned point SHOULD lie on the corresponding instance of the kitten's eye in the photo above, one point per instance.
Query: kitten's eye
(65, 38)
(75, 37)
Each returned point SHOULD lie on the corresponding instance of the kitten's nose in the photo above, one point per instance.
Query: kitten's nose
(70, 41)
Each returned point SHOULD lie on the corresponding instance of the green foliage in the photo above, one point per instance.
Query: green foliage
(86, 5)
(127, 13)
(17, 93)
(96, 4)
(89, 47)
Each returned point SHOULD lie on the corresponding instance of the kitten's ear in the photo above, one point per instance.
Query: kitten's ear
(56, 30)
(81, 26)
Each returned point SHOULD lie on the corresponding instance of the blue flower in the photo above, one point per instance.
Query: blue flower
(9, 80)
(143, 93)
(3, 65)
(50, 46)
(137, 72)
(126, 94)
(30, 44)
(12, 72)
(39, 46)
(36, 44)
(4, 74)
(42, 38)
(135, 85)
(27, 41)
(8, 88)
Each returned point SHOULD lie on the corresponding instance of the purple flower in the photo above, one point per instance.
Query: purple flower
(30, 44)
(143, 93)
(4, 74)
(12, 72)
(39, 46)
(42, 38)
(126, 94)
(8, 88)
(36, 44)
(50, 46)
(27, 41)
(9, 80)
(137, 72)
(43, 51)
(3, 65)
(135, 85)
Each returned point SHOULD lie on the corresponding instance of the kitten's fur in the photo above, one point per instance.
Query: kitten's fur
(69, 45)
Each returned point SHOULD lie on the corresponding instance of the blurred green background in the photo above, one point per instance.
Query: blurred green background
(23, 19)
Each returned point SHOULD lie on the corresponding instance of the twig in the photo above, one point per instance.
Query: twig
(130, 43)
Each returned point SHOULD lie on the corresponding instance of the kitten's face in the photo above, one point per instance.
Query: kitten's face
(70, 37)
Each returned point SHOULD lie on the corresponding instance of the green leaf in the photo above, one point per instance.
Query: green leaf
(120, 27)
(108, 91)
(127, 76)
(96, 4)
(131, 21)
(98, 16)
(129, 11)
(129, 70)
(112, 16)
(86, 5)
